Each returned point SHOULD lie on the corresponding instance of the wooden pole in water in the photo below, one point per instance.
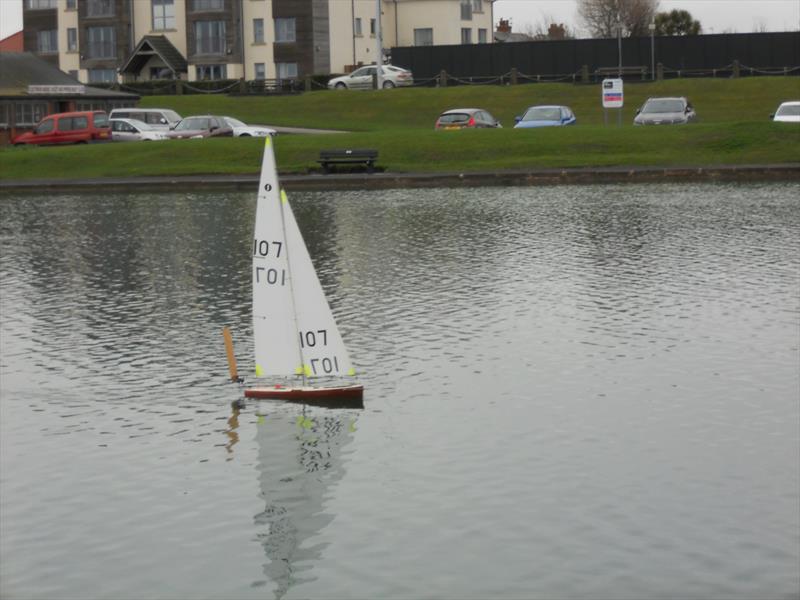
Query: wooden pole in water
(226, 333)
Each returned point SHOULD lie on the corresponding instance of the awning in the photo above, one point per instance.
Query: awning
(155, 45)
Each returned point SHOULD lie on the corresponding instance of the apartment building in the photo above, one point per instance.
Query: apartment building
(139, 40)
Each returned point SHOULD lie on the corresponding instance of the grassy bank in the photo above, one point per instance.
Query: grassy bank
(733, 128)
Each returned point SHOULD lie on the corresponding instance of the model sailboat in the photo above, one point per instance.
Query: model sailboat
(295, 333)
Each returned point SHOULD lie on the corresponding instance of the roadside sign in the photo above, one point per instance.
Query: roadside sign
(613, 96)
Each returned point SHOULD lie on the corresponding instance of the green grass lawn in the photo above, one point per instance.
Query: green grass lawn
(733, 128)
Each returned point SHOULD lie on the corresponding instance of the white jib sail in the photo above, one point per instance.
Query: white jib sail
(295, 332)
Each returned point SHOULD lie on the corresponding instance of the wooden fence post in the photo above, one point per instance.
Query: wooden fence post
(308, 83)
(735, 67)
(513, 75)
(443, 78)
(660, 72)
(585, 73)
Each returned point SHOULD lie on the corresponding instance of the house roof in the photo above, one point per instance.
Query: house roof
(507, 36)
(155, 45)
(21, 70)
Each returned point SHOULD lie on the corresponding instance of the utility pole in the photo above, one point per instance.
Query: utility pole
(379, 41)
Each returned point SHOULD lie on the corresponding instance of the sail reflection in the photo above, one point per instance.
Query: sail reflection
(299, 461)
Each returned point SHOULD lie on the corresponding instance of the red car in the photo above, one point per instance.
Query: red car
(68, 128)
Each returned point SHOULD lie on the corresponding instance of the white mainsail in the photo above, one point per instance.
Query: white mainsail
(295, 332)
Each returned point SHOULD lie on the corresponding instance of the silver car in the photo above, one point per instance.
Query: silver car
(665, 111)
(361, 79)
(132, 130)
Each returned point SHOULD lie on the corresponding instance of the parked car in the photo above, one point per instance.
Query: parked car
(201, 126)
(665, 111)
(788, 112)
(243, 130)
(80, 127)
(461, 118)
(159, 118)
(545, 116)
(131, 130)
(361, 79)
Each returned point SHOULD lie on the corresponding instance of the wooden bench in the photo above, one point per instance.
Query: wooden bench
(612, 72)
(347, 157)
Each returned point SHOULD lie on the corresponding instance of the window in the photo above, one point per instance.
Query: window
(261, 71)
(40, 4)
(258, 31)
(47, 41)
(372, 27)
(209, 37)
(423, 37)
(72, 123)
(100, 42)
(72, 39)
(482, 36)
(4, 110)
(160, 73)
(102, 76)
(477, 6)
(357, 26)
(284, 30)
(163, 15)
(99, 8)
(286, 70)
(29, 113)
(45, 127)
(72, 4)
(211, 72)
(466, 10)
(201, 5)
(466, 35)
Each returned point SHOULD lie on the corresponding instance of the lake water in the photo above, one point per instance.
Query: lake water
(571, 392)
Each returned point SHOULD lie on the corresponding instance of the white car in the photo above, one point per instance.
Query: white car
(361, 79)
(788, 112)
(131, 130)
(244, 130)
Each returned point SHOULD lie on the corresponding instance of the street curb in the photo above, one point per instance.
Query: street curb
(388, 180)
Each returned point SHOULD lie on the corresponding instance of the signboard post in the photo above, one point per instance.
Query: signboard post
(613, 97)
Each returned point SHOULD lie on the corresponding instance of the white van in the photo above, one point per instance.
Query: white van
(159, 118)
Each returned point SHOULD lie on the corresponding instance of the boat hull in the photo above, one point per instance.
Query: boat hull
(301, 393)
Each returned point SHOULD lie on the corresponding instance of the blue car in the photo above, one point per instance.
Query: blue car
(545, 116)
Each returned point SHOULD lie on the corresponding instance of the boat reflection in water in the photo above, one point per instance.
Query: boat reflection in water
(300, 457)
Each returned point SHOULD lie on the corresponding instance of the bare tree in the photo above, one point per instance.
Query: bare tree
(602, 16)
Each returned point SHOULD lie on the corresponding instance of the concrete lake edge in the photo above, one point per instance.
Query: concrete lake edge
(388, 180)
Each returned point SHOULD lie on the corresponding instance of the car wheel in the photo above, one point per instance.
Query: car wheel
(341, 86)
(19, 145)
(387, 85)
(245, 135)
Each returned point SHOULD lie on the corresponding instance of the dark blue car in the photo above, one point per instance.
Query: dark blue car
(545, 116)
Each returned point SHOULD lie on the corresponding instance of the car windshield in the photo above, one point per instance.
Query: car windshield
(542, 113)
(453, 118)
(789, 110)
(663, 105)
(172, 116)
(193, 123)
(235, 122)
(100, 119)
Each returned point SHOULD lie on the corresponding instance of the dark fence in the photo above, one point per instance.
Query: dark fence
(737, 53)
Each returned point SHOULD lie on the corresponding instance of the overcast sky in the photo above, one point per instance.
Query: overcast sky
(716, 16)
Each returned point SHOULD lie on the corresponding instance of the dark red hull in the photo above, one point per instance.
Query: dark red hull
(299, 394)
